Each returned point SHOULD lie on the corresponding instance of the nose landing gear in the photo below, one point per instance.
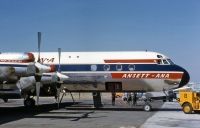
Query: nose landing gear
(147, 107)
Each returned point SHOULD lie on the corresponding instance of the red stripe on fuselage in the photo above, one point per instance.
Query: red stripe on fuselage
(147, 75)
(131, 61)
(15, 61)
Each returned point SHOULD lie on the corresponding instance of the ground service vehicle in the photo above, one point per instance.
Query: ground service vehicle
(189, 100)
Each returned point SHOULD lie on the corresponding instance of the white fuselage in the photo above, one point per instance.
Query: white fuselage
(121, 71)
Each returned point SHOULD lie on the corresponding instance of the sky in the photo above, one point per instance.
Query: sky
(171, 27)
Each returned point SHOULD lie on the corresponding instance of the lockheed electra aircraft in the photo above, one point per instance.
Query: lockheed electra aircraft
(121, 71)
(22, 76)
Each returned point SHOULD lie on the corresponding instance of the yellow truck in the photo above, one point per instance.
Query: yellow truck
(189, 100)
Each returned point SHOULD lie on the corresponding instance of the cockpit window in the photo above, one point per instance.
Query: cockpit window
(165, 62)
(159, 62)
(170, 61)
(159, 56)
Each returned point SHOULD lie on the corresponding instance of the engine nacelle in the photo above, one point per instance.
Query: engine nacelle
(7, 73)
(13, 73)
(57, 77)
(17, 57)
(30, 70)
(44, 68)
(26, 83)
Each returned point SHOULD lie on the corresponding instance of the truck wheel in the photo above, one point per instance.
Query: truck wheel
(147, 107)
(187, 108)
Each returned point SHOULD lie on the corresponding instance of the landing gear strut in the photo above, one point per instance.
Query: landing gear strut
(147, 106)
(29, 102)
(97, 99)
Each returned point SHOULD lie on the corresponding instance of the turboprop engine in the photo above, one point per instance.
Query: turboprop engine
(28, 83)
(15, 65)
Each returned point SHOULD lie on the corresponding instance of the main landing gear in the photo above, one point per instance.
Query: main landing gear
(5, 100)
(29, 102)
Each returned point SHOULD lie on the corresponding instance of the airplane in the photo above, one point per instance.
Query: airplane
(126, 71)
(114, 71)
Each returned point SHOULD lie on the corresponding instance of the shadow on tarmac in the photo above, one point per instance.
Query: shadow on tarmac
(122, 109)
(9, 114)
(81, 115)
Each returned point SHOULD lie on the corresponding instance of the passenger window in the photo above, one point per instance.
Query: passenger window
(93, 67)
(131, 67)
(106, 67)
(119, 67)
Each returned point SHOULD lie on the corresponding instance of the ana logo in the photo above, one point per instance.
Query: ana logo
(47, 60)
(144, 75)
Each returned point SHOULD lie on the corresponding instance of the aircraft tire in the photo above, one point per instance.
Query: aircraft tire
(147, 107)
(29, 102)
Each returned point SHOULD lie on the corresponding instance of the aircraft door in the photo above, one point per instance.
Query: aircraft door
(113, 86)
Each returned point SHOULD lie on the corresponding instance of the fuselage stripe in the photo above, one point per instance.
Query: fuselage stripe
(131, 61)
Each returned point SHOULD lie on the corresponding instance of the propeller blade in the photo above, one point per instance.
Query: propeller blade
(39, 45)
(58, 96)
(31, 69)
(38, 85)
(59, 57)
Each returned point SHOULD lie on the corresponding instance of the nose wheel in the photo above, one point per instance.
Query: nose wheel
(147, 107)
(29, 102)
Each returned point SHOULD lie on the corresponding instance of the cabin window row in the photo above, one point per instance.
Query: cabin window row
(118, 67)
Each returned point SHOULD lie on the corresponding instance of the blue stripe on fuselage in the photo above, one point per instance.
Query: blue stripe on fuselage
(125, 67)
(100, 67)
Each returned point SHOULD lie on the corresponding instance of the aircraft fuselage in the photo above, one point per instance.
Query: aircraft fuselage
(121, 71)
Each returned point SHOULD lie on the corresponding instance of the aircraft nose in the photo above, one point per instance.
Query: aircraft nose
(185, 78)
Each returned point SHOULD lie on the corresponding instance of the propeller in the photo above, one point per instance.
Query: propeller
(58, 85)
(38, 74)
(59, 57)
(60, 78)
(39, 45)
(38, 79)
(38, 85)
(57, 78)
(39, 64)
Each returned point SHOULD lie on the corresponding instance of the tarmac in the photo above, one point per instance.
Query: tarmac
(172, 116)
(82, 114)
